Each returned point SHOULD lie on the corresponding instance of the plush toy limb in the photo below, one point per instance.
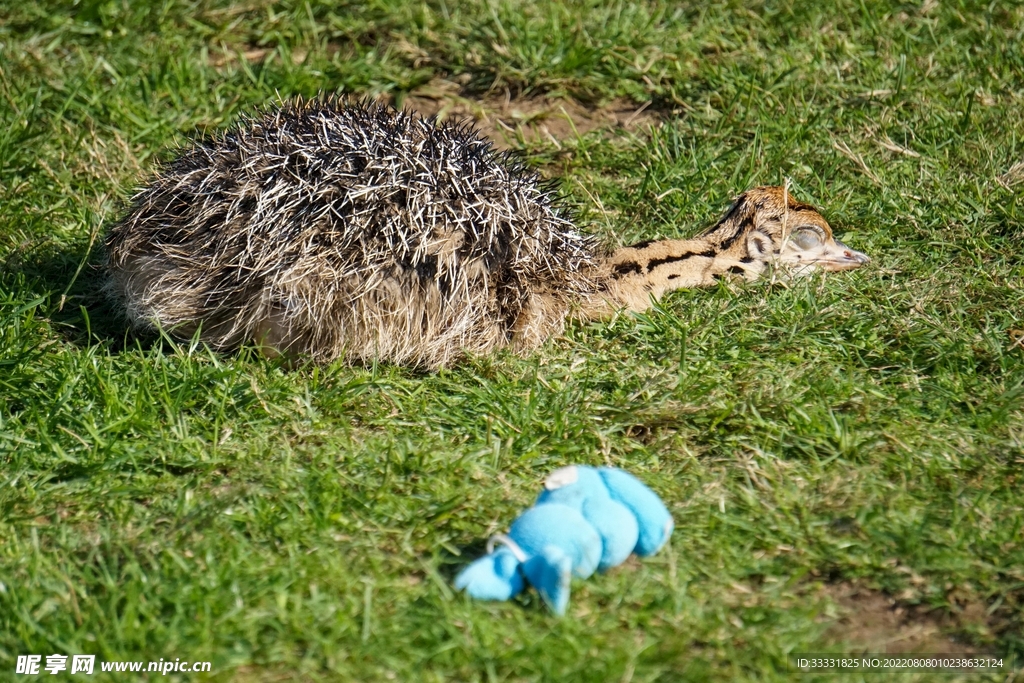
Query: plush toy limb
(655, 520)
(616, 526)
(494, 576)
(550, 572)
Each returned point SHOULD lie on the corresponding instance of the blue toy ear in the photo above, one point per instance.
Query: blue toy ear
(550, 572)
(492, 577)
(653, 517)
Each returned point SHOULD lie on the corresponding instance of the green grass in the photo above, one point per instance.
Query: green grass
(160, 500)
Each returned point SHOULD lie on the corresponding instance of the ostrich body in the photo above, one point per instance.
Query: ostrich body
(324, 230)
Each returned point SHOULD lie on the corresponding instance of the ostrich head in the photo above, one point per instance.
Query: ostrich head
(767, 225)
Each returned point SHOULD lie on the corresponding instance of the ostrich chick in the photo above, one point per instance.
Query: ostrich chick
(323, 229)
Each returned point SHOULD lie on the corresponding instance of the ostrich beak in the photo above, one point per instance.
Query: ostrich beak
(841, 257)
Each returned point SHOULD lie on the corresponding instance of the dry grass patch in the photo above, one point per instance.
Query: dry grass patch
(1013, 176)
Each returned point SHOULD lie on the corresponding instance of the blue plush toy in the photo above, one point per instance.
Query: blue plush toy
(585, 519)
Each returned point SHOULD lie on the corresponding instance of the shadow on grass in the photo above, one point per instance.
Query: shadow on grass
(449, 564)
(64, 282)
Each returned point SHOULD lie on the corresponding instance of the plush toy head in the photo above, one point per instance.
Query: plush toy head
(585, 519)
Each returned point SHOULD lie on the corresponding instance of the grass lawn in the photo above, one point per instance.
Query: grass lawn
(843, 457)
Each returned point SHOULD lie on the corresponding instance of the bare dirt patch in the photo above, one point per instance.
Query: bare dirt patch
(878, 623)
(510, 122)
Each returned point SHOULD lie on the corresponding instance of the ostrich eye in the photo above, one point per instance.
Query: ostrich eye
(807, 237)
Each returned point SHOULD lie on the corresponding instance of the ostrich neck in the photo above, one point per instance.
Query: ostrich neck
(630, 277)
